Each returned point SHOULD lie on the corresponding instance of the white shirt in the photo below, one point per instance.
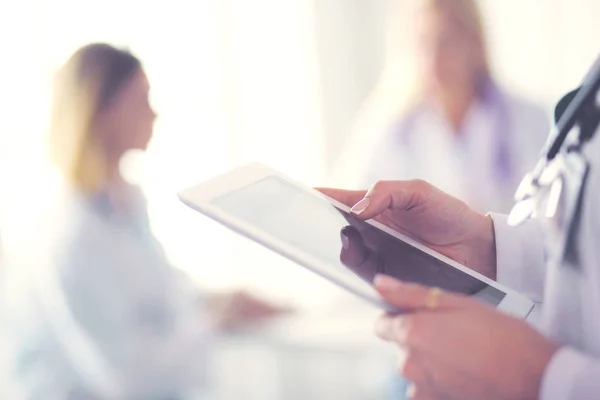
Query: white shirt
(423, 145)
(527, 261)
(99, 311)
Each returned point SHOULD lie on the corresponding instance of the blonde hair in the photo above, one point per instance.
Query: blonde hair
(468, 15)
(400, 86)
(84, 87)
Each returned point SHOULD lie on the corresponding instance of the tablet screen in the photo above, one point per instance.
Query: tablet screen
(353, 250)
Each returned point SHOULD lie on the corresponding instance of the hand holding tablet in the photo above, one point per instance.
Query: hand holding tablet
(319, 233)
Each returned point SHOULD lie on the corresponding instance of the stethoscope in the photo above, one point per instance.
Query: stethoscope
(577, 117)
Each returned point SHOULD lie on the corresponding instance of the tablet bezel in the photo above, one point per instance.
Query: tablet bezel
(201, 196)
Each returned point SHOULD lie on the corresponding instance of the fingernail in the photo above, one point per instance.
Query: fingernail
(345, 241)
(361, 206)
(385, 282)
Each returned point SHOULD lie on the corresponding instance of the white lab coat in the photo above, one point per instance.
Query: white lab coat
(529, 261)
(422, 145)
(96, 311)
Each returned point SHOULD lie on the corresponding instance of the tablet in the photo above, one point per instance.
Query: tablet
(320, 234)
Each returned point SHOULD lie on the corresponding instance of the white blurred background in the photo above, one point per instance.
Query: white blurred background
(276, 81)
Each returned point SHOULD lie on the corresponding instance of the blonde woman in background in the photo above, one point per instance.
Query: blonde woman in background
(101, 314)
(441, 116)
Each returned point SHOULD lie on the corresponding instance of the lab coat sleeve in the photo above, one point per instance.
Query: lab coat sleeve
(520, 258)
(571, 375)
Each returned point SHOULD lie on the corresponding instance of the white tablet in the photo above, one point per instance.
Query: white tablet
(321, 235)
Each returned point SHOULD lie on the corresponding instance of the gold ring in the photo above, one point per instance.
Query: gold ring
(433, 298)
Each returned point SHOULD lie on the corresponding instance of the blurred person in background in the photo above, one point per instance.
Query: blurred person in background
(100, 313)
(448, 121)
(445, 119)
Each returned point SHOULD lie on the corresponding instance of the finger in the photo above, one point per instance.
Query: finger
(411, 296)
(411, 368)
(356, 255)
(392, 329)
(354, 251)
(410, 331)
(347, 197)
(397, 195)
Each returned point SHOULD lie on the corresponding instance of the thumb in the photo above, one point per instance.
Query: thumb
(414, 297)
(347, 197)
(396, 195)
(357, 256)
